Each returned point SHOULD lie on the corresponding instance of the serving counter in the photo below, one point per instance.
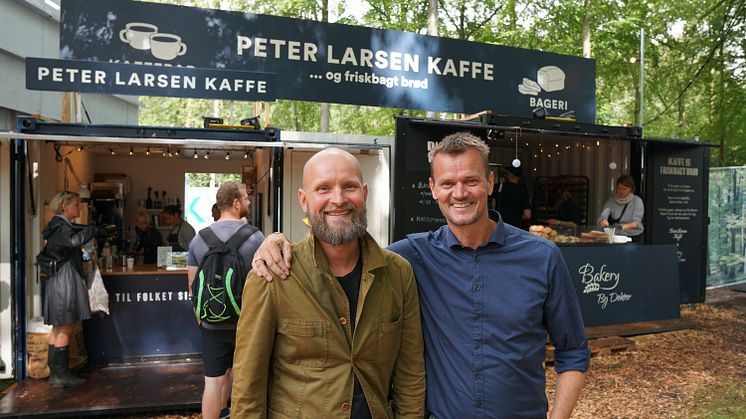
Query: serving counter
(150, 317)
(624, 283)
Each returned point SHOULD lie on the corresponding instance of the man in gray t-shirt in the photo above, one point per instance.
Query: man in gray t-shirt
(219, 340)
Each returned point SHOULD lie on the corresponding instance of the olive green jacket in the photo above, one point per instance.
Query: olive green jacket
(295, 353)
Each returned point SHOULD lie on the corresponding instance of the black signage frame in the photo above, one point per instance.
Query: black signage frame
(139, 80)
(329, 62)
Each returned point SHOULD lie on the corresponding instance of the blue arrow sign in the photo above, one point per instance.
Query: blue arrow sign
(193, 212)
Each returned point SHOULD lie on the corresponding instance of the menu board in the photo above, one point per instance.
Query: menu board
(677, 195)
(414, 208)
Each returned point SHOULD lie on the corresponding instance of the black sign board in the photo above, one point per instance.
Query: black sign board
(149, 316)
(139, 80)
(327, 62)
(624, 283)
(677, 197)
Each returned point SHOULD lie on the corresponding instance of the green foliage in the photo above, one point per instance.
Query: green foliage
(694, 73)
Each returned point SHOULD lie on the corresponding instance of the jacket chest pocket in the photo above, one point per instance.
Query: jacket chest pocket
(389, 339)
(304, 342)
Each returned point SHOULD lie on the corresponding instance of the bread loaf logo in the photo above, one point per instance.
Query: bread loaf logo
(548, 79)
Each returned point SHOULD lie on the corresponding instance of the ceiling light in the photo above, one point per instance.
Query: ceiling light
(227, 155)
(147, 152)
(132, 151)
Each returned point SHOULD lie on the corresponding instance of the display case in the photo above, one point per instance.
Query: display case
(562, 235)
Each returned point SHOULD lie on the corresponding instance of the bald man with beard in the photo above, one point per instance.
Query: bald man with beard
(343, 337)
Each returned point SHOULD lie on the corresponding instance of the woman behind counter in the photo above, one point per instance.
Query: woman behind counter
(624, 210)
(66, 302)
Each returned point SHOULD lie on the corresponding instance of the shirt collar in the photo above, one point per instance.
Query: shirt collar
(497, 237)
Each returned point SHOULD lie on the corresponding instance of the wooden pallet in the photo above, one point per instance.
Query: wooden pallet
(599, 346)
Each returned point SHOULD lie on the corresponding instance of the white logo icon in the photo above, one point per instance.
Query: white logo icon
(144, 36)
(549, 79)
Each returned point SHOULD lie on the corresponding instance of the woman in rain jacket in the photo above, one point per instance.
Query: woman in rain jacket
(66, 301)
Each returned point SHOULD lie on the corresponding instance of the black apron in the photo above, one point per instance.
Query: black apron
(173, 240)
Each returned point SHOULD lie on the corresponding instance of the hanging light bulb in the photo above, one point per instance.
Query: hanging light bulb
(163, 154)
(176, 153)
(111, 150)
(80, 148)
(516, 162)
(195, 153)
(132, 151)
(207, 155)
(168, 151)
(246, 155)
(227, 155)
(147, 152)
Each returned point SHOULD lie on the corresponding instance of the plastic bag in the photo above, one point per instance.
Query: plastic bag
(97, 295)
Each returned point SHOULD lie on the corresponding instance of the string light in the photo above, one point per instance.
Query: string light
(111, 150)
(168, 150)
(246, 155)
(147, 152)
(132, 151)
(176, 153)
(227, 155)
(207, 155)
(80, 148)
(195, 153)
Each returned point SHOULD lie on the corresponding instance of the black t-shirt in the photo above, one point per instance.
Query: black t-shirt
(351, 285)
(569, 211)
(511, 202)
(149, 240)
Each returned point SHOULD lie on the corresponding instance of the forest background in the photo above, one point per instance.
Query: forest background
(694, 72)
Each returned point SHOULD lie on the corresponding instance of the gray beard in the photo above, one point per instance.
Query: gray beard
(344, 233)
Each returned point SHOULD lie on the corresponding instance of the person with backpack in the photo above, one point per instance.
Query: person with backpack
(66, 293)
(218, 263)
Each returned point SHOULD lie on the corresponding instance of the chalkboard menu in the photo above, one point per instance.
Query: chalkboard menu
(414, 208)
(676, 198)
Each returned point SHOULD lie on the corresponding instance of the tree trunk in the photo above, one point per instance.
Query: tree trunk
(586, 34)
(513, 16)
(721, 108)
(682, 115)
(324, 122)
(294, 116)
(432, 29)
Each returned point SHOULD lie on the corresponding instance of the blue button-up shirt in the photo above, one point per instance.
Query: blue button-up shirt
(486, 314)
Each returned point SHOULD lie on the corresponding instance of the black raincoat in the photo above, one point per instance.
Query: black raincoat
(66, 291)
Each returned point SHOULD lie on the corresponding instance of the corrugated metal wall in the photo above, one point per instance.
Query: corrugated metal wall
(568, 156)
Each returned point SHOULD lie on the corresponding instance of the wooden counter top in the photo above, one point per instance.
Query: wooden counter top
(140, 270)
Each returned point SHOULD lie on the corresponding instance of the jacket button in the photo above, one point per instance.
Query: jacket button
(343, 320)
(345, 406)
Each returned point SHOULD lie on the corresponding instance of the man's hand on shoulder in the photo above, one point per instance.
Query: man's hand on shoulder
(273, 256)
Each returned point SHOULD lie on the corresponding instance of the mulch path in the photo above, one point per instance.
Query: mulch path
(666, 375)
(669, 375)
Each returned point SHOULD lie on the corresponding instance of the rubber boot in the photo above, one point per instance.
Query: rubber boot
(64, 377)
(52, 362)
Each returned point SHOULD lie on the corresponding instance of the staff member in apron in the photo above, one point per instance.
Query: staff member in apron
(181, 232)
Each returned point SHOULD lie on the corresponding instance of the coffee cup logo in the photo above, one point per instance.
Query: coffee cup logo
(145, 36)
(166, 46)
(138, 34)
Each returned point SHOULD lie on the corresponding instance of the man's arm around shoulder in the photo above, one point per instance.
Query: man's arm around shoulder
(254, 345)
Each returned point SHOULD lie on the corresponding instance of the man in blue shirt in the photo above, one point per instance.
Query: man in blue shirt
(489, 295)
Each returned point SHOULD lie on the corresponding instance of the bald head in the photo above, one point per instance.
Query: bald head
(330, 158)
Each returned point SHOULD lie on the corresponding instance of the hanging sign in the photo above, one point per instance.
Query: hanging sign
(131, 79)
(327, 62)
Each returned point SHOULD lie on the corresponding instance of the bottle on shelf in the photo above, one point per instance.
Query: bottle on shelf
(156, 201)
(149, 201)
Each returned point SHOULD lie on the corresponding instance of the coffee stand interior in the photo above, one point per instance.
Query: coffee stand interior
(150, 315)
